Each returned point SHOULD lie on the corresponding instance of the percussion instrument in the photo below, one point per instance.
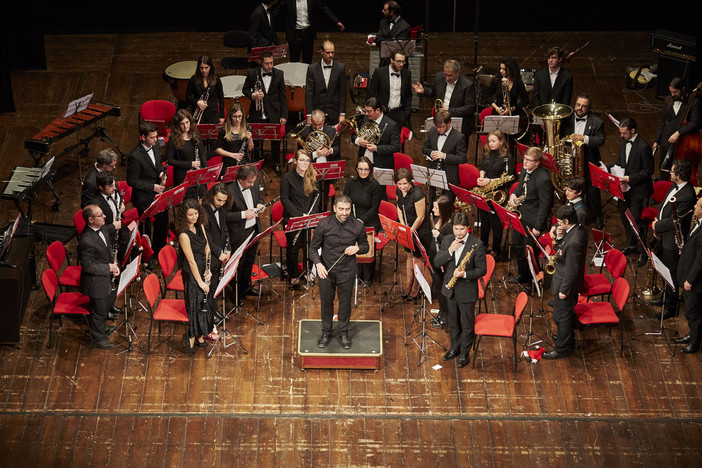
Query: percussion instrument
(295, 84)
(233, 86)
(527, 75)
(177, 75)
(370, 255)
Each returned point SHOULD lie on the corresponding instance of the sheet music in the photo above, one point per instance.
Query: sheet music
(78, 105)
(128, 274)
(426, 289)
(663, 270)
(384, 176)
(618, 171)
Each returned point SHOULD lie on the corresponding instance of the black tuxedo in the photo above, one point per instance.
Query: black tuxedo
(275, 103)
(388, 145)
(400, 31)
(217, 235)
(379, 88)
(261, 32)
(303, 40)
(571, 253)
(561, 91)
(96, 281)
(462, 298)
(90, 188)
(462, 103)
(236, 222)
(690, 270)
(456, 150)
(671, 122)
(332, 98)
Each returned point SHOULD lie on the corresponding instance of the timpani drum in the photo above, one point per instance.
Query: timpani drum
(233, 86)
(295, 84)
(177, 75)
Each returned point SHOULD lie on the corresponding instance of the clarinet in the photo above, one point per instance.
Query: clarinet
(679, 238)
(196, 150)
(164, 174)
(433, 226)
(115, 241)
(204, 306)
(225, 250)
(297, 236)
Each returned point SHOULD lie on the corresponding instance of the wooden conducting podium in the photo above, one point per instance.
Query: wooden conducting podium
(366, 352)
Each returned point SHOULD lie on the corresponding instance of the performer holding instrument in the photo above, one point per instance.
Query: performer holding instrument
(509, 95)
(205, 93)
(445, 148)
(106, 162)
(690, 278)
(441, 226)
(234, 140)
(463, 259)
(185, 150)
(378, 136)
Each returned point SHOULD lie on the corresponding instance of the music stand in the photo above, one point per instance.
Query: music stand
(471, 199)
(456, 124)
(401, 234)
(231, 172)
(278, 51)
(203, 176)
(507, 124)
(432, 177)
(254, 241)
(510, 221)
(533, 263)
(209, 133)
(329, 170)
(305, 222)
(407, 46)
(128, 275)
(635, 229)
(610, 184)
(421, 314)
(267, 131)
(384, 176)
(427, 263)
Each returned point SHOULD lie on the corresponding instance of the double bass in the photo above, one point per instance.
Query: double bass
(688, 147)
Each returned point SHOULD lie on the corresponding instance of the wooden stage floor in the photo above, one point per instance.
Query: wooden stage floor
(74, 406)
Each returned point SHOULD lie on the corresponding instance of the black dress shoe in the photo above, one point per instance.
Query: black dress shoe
(104, 344)
(323, 341)
(642, 260)
(277, 170)
(691, 348)
(252, 292)
(656, 302)
(436, 322)
(346, 342)
(463, 360)
(683, 339)
(112, 316)
(667, 314)
(629, 249)
(599, 223)
(201, 344)
(553, 354)
(450, 354)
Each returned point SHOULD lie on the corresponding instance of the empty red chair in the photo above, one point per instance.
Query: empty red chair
(468, 175)
(67, 303)
(597, 284)
(56, 255)
(167, 259)
(168, 310)
(484, 113)
(159, 112)
(660, 189)
(485, 281)
(592, 314)
(500, 325)
(278, 234)
(402, 160)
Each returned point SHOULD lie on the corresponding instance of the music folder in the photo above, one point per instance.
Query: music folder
(509, 219)
(471, 198)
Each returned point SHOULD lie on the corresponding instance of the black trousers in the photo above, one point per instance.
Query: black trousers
(302, 42)
(564, 317)
(157, 230)
(636, 207)
(491, 222)
(593, 199)
(461, 321)
(670, 258)
(99, 308)
(246, 264)
(437, 282)
(401, 117)
(293, 250)
(328, 288)
(693, 314)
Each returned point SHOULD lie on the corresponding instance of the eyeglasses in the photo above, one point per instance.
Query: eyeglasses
(101, 215)
(363, 169)
(304, 161)
(237, 116)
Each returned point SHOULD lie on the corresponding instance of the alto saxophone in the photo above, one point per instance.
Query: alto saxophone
(518, 201)
(505, 96)
(491, 192)
(461, 266)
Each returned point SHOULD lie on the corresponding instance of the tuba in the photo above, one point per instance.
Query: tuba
(567, 155)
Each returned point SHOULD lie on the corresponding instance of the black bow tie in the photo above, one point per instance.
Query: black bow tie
(392, 21)
(629, 142)
(395, 74)
(461, 241)
(580, 119)
(268, 74)
(326, 66)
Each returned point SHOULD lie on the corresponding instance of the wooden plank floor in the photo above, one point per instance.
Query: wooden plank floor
(74, 406)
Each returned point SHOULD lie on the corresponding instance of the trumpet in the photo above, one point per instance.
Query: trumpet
(197, 115)
(258, 88)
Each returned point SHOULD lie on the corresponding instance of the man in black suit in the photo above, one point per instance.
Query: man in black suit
(553, 83)
(664, 228)
(536, 188)
(568, 280)
(111, 203)
(671, 127)
(392, 27)
(97, 268)
(216, 204)
(243, 220)
(273, 102)
(690, 277)
(455, 90)
(326, 86)
(146, 176)
(261, 32)
(300, 29)
(461, 298)
(392, 86)
(382, 152)
(445, 148)
(106, 162)
(588, 128)
(636, 158)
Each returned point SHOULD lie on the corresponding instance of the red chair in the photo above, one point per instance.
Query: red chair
(391, 192)
(660, 190)
(130, 215)
(79, 222)
(126, 189)
(167, 259)
(278, 234)
(485, 280)
(160, 113)
(416, 32)
(468, 175)
(56, 255)
(402, 160)
(500, 325)
(67, 303)
(169, 176)
(597, 284)
(214, 160)
(388, 210)
(484, 113)
(592, 314)
(168, 310)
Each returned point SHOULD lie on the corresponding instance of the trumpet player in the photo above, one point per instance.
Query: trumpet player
(568, 280)
(381, 153)
(445, 148)
(533, 197)
(682, 193)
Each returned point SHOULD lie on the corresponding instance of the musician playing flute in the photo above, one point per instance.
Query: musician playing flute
(463, 259)
(340, 237)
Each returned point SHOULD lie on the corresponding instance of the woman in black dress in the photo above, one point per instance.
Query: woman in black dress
(300, 195)
(442, 210)
(203, 80)
(508, 76)
(412, 211)
(365, 193)
(496, 161)
(185, 151)
(234, 140)
(193, 262)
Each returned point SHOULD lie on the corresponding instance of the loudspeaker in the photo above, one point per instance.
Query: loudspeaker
(669, 68)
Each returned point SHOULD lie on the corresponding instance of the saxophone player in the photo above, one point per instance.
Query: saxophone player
(445, 148)
(463, 257)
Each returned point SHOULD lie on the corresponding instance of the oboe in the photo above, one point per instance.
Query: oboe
(297, 236)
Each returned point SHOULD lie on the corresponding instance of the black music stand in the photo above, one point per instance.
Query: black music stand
(209, 133)
(255, 241)
(305, 222)
(636, 291)
(401, 235)
(510, 221)
(128, 275)
(533, 263)
(421, 314)
(432, 177)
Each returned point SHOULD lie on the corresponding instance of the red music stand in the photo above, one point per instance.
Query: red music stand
(163, 200)
(330, 170)
(231, 171)
(305, 222)
(278, 51)
(401, 234)
(611, 184)
(202, 176)
(470, 198)
(422, 251)
(132, 240)
(509, 221)
(548, 163)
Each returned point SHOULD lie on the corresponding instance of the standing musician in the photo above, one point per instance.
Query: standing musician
(97, 268)
(106, 162)
(205, 92)
(637, 160)
(392, 85)
(326, 86)
(381, 153)
(508, 77)
(568, 280)
(272, 106)
(588, 128)
(300, 195)
(234, 140)
(185, 150)
(366, 194)
(456, 91)
(111, 203)
(216, 204)
(261, 32)
(664, 228)
(445, 148)
(324, 153)
(536, 189)
(244, 220)
(146, 176)
(300, 29)
(671, 127)
(552, 83)
(442, 209)
(393, 27)
(461, 298)
(340, 237)
(496, 162)
(690, 277)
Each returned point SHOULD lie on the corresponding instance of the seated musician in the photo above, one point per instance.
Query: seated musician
(234, 140)
(106, 162)
(324, 153)
(205, 93)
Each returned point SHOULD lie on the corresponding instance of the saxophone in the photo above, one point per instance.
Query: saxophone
(518, 201)
(461, 266)
(505, 96)
(491, 192)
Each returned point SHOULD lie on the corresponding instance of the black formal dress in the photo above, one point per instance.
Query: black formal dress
(690, 270)
(295, 204)
(95, 256)
(215, 100)
(437, 276)
(406, 205)
(200, 321)
(455, 147)
(388, 145)
(366, 195)
(518, 96)
(462, 102)
(261, 32)
(494, 166)
(233, 146)
(328, 97)
(462, 298)
(561, 92)
(380, 87)
(182, 161)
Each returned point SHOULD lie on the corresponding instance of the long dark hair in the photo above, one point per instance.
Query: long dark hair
(364, 159)
(445, 209)
(512, 68)
(211, 76)
(181, 220)
(176, 134)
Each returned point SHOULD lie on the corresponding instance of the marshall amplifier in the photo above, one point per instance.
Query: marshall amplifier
(673, 44)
